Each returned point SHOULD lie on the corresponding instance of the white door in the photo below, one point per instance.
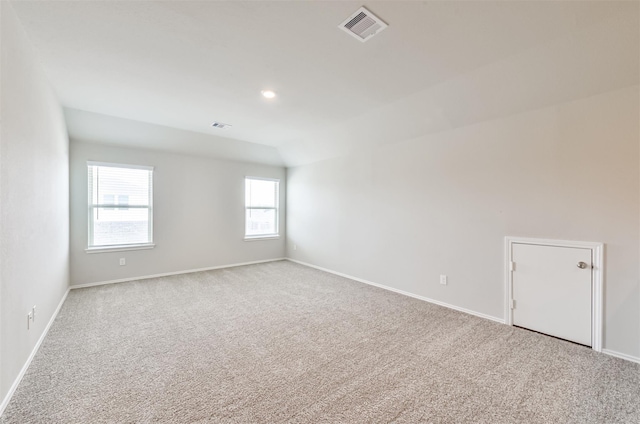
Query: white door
(552, 290)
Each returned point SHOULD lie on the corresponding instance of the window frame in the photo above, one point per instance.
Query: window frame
(272, 236)
(91, 248)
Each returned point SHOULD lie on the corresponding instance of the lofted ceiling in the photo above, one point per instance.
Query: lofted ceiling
(439, 65)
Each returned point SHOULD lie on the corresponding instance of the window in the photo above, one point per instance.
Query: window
(123, 200)
(120, 205)
(261, 207)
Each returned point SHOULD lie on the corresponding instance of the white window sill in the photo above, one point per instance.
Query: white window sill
(102, 249)
(256, 238)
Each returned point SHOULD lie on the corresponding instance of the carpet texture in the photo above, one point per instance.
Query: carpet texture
(283, 343)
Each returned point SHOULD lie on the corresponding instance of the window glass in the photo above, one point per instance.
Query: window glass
(261, 207)
(112, 186)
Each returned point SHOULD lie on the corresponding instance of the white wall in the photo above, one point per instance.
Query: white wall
(402, 214)
(198, 214)
(34, 200)
(102, 129)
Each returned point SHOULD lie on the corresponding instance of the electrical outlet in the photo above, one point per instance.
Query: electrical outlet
(29, 319)
(123, 261)
(443, 280)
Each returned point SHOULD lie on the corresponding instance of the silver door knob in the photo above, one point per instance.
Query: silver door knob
(582, 265)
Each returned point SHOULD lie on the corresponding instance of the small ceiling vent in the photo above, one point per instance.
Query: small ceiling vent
(362, 25)
(220, 125)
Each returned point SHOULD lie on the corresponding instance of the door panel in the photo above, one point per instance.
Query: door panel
(552, 294)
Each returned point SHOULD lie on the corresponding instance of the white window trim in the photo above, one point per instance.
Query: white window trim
(264, 237)
(120, 165)
(120, 248)
(273, 236)
(91, 207)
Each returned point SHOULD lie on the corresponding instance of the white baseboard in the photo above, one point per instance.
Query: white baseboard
(446, 305)
(415, 296)
(167, 274)
(621, 355)
(23, 371)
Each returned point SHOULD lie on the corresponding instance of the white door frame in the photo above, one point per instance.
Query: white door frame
(597, 272)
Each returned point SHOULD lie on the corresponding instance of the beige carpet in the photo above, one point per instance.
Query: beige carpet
(280, 342)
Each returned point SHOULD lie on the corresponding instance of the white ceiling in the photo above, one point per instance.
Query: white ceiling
(439, 65)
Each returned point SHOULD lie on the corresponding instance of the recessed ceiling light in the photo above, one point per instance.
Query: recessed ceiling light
(268, 94)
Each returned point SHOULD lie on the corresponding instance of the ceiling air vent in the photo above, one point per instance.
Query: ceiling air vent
(220, 125)
(362, 25)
